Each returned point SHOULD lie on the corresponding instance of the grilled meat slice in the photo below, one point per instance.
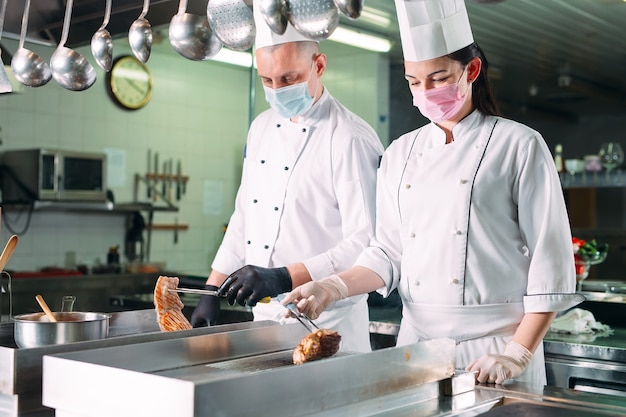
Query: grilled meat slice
(317, 345)
(168, 306)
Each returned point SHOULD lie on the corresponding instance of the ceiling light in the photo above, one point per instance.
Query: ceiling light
(376, 17)
(341, 35)
(360, 40)
(228, 56)
(16, 86)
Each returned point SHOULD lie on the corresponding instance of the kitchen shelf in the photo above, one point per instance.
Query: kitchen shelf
(603, 179)
(130, 207)
(170, 227)
(91, 206)
(104, 207)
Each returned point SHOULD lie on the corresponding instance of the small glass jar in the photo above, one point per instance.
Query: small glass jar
(592, 163)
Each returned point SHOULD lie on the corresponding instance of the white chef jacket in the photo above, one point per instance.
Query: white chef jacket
(473, 233)
(307, 194)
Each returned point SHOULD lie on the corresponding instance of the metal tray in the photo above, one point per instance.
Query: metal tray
(614, 287)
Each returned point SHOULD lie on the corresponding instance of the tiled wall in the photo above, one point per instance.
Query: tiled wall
(198, 114)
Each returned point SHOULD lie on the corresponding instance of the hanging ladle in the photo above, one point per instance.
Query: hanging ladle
(191, 35)
(28, 67)
(140, 35)
(351, 8)
(274, 13)
(69, 68)
(45, 308)
(5, 84)
(101, 42)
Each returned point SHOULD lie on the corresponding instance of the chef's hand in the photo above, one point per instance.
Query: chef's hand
(207, 311)
(314, 297)
(251, 283)
(499, 368)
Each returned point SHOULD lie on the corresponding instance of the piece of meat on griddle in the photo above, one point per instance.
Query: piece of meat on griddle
(320, 344)
(168, 306)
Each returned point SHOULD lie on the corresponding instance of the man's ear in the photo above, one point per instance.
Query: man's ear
(320, 64)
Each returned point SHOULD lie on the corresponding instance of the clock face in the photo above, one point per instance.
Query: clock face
(130, 82)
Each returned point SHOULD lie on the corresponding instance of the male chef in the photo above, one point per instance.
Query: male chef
(305, 206)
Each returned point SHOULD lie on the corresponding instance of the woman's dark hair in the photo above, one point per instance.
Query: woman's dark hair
(482, 96)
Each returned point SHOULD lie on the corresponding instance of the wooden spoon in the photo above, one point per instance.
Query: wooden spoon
(7, 252)
(45, 308)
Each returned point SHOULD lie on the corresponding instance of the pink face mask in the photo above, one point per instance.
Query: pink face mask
(439, 104)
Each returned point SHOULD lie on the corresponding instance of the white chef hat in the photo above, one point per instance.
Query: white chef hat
(432, 28)
(267, 37)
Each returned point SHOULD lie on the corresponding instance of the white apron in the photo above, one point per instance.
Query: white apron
(488, 328)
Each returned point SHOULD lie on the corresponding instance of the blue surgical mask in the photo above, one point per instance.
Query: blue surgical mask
(290, 101)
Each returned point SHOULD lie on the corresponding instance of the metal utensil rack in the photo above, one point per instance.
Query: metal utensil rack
(160, 187)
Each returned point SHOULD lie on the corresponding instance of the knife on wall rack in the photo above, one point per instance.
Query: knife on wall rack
(156, 175)
(148, 182)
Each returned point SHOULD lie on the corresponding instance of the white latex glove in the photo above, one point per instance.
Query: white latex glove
(498, 368)
(314, 297)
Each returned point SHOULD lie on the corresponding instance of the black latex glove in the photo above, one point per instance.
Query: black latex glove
(207, 311)
(251, 283)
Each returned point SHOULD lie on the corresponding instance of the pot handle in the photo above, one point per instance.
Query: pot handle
(6, 290)
(68, 303)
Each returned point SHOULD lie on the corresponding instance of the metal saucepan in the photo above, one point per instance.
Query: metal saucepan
(36, 330)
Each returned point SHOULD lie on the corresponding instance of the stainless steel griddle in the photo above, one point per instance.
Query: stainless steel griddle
(245, 372)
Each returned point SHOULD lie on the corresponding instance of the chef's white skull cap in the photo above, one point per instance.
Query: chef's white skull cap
(432, 28)
(267, 37)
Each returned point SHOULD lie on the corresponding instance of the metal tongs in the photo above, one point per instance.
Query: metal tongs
(301, 317)
(264, 300)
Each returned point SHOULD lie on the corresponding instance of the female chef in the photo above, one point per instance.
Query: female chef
(471, 225)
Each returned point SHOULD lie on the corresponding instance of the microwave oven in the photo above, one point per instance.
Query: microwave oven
(52, 174)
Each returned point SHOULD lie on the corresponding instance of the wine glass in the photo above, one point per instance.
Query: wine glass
(611, 155)
(582, 272)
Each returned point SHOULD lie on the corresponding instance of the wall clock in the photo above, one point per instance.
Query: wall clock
(129, 82)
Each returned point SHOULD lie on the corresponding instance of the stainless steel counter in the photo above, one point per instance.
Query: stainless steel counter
(607, 346)
(21, 369)
(587, 362)
(249, 372)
